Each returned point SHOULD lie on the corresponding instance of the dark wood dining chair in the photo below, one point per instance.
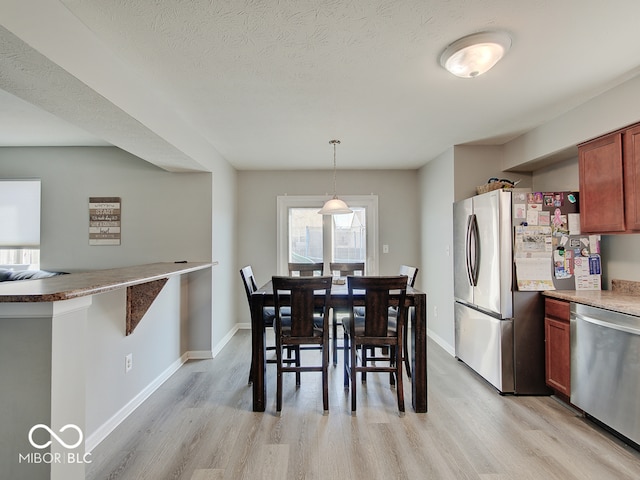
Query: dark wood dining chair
(268, 313)
(342, 270)
(302, 296)
(411, 274)
(376, 328)
(305, 269)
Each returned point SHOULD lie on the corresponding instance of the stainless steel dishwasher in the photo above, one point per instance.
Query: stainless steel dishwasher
(605, 367)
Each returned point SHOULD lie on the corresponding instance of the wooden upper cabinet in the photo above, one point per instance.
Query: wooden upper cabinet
(632, 177)
(602, 185)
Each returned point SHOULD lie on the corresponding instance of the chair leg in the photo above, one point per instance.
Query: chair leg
(335, 338)
(405, 342)
(346, 356)
(352, 352)
(325, 376)
(279, 380)
(392, 363)
(364, 360)
(297, 353)
(400, 386)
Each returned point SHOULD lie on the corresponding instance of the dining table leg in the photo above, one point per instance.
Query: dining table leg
(258, 353)
(419, 354)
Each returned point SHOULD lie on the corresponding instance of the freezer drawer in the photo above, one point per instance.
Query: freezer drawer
(485, 344)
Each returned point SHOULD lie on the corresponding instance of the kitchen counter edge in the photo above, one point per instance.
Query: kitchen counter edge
(607, 299)
(74, 285)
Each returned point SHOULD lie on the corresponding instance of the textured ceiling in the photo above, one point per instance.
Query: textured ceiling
(267, 83)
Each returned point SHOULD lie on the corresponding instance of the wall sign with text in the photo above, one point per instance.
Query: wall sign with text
(104, 220)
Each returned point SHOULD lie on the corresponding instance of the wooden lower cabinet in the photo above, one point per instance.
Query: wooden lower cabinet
(557, 346)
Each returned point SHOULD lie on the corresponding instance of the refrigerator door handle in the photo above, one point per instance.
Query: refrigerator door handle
(474, 237)
(468, 250)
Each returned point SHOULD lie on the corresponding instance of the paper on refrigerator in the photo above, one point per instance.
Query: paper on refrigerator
(532, 251)
(533, 241)
(534, 274)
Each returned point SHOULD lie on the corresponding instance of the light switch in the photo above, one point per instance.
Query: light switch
(385, 248)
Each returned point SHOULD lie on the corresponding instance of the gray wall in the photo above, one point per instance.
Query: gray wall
(436, 222)
(620, 253)
(398, 206)
(452, 176)
(472, 165)
(165, 217)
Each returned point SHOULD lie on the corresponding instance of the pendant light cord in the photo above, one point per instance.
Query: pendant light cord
(335, 190)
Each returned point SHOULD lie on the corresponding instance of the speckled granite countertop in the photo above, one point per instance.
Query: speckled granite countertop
(623, 297)
(65, 287)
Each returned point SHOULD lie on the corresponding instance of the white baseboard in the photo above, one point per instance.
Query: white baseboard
(110, 425)
(440, 341)
(199, 355)
(226, 339)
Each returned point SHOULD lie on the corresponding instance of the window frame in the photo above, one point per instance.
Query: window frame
(284, 202)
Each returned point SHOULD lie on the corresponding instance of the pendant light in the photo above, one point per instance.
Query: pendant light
(335, 206)
(475, 54)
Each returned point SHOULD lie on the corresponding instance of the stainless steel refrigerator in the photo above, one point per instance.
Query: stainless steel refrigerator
(499, 331)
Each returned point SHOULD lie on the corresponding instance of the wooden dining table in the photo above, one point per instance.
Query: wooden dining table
(263, 297)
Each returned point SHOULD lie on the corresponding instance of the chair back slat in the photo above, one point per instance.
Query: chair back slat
(249, 281)
(300, 293)
(380, 293)
(346, 269)
(305, 269)
(411, 273)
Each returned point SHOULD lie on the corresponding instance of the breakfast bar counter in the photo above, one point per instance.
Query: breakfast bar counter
(45, 340)
(66, 287)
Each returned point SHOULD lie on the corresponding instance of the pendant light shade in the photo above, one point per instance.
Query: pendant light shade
(475, 54)
(335, 206)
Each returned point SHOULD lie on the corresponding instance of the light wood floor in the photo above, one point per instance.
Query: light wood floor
(199, 425)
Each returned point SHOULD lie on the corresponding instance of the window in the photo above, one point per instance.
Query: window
(20, 224)
(304, 236)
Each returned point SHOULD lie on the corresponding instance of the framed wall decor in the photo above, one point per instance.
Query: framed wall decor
(104, 220)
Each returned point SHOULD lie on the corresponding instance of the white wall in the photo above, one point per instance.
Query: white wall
(398, 208)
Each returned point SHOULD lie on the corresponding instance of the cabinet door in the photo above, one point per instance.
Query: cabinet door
(602, 185)
(632, 177)
(558, 353)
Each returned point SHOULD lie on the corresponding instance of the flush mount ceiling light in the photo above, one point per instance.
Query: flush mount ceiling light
(475, 54)
(335, 206)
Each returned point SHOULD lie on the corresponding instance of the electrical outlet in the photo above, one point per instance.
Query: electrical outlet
(435, 311)
(128, 362)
